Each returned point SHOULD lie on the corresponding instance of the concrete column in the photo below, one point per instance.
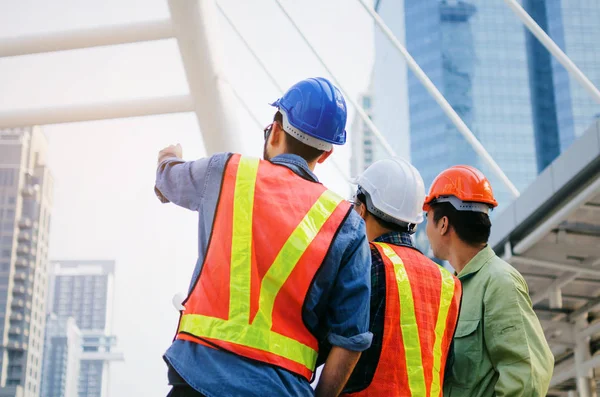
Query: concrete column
(585, 384)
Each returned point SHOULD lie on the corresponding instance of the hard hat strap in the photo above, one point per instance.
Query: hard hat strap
(301, 136)
(460, 205)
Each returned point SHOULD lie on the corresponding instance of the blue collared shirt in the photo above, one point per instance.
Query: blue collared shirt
(336, 308)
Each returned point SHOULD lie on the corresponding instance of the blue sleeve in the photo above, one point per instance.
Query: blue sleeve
(349, 301)
(183, 182)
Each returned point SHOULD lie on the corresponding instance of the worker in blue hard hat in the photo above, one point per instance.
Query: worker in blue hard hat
(283, 262)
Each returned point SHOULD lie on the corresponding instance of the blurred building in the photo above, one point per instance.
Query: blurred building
(514, 96)
(62, 354)
(25, 205)
(83, 290)
(363, 143)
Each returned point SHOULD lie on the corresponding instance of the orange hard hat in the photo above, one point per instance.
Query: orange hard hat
(467, 184)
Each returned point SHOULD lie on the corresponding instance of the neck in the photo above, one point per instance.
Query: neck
(374, 230)
(312, 165)
(461, 254)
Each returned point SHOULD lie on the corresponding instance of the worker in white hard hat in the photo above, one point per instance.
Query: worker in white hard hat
(414, 302)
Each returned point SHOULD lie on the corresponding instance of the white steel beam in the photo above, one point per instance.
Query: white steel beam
(271, 77)
(588, 331)
(554, 49)
(441, 101)
(86, 38)
(97, 111)
(583, 269)
(562, 373)
(198, 37)
(555, 297)
(590, 306)
(551, 222)
(557, 284)
(361, 112)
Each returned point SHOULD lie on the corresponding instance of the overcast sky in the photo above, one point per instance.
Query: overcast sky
(104, 202)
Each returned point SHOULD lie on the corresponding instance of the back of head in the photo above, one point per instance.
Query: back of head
(464, 195)
(312, 112)
(394, 192)
(471, 227)
(295, 146)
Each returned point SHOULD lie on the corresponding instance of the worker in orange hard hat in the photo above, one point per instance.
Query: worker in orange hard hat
(414, 302)
(499, 345)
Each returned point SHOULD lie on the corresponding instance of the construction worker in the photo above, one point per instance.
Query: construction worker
(414, 302)
(283, 262)
(499, 345)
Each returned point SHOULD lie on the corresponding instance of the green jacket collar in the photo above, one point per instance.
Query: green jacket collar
(477, 262)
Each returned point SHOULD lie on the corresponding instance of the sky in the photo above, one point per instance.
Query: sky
(104, 205)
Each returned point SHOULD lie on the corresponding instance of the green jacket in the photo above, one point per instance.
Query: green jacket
(499, 345)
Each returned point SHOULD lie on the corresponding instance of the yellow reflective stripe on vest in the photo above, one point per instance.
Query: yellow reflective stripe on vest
(447, 293)
(241, 240)
(290, 254)
(408, 324)
(250, 336)
(237, 329)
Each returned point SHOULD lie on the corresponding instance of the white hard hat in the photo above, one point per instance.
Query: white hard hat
(395, 188)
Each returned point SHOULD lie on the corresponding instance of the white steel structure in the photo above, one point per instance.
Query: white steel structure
(551, 233)
(193, 24)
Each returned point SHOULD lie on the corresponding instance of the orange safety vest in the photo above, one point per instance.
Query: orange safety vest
(271, 233)
(421, 310)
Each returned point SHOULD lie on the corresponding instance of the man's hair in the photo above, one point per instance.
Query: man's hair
(294, 146)
(471, 227)
(384, 224)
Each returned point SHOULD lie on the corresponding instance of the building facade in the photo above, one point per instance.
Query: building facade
(515, 97)
(25, 205)
(83, 290)
(62, 354)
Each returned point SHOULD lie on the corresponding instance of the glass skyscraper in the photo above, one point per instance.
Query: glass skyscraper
(515, 97)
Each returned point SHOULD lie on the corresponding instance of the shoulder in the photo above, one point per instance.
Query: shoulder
(220, 159)
(351, 239)
(504, 280)
(503, 273)
(353, 228)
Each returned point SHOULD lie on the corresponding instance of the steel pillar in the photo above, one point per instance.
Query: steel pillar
(198, 37)
(584, 376)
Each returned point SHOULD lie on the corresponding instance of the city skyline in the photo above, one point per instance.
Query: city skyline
(104, 201)
(515, 97)
(26, 188)
(83, 290)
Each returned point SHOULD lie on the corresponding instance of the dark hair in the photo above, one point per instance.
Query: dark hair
(471, 227)
(294, 146)
(384, 224)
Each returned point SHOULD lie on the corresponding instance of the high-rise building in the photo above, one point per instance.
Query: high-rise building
(563, 110)
(514, 96)
(364, 145)
(25, 205)
(62, 354)
(83, 290)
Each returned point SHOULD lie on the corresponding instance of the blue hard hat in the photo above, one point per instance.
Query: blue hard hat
(314, 108)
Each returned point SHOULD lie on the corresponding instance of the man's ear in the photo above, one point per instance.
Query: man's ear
(276, 137)
(324, 156)
(444, 225)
